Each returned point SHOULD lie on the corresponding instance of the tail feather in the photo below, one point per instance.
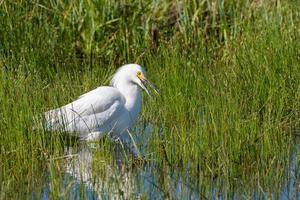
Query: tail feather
(54, 120)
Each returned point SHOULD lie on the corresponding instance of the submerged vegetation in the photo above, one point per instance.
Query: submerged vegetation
(228, 71)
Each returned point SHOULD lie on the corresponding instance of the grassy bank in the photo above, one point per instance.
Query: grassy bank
(229, 73)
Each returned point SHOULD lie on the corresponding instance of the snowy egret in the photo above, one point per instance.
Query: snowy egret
(106, 109)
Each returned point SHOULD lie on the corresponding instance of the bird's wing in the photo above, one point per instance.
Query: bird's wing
(102, 102)
(99, 123)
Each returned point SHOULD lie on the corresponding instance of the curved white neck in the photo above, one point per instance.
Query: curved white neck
(132, 95)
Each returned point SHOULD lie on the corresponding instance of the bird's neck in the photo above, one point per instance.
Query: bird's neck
(132, 94)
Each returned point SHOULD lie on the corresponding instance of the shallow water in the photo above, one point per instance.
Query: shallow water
(83, 179)
(119, 181)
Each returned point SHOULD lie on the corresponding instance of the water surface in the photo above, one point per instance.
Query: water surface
(87, 176)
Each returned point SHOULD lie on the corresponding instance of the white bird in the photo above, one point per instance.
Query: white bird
(106, 109)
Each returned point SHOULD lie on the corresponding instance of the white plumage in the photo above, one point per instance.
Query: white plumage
(105, 109)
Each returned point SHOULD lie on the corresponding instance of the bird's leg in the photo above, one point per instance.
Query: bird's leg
(114, 137)
(133, 148)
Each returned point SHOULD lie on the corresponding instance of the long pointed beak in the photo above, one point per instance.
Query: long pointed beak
(151, 85)
(145, 83)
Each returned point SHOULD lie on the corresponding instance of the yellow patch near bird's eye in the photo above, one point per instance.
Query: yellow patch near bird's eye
(139, 74)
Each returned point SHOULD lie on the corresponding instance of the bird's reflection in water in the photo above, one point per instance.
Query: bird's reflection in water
(89, 177)
(113, 181)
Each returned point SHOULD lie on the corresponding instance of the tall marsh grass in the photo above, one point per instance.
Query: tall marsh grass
(229, 73)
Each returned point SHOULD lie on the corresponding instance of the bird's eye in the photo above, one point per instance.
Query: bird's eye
(138, 74)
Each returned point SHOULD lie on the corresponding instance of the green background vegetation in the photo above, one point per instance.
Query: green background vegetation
(228, 71)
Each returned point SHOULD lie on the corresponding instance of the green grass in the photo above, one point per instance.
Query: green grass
(228, 71)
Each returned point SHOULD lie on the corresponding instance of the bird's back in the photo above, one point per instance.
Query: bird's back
(90, 112)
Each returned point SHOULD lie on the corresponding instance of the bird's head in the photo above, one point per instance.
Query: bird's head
(133, 74)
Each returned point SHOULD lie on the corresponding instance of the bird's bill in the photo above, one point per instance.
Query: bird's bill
(145, 83)
(151, 86)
